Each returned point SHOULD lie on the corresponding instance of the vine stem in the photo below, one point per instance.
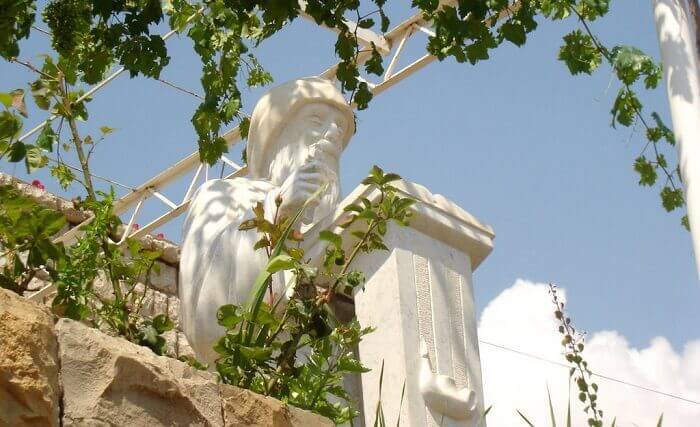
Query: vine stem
(318, 392)
(87, 177)
(32, 68)
(606, 54)
(373, 224)
(570, 345)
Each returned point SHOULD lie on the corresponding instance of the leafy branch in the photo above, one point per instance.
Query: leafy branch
(265, 341)
(583, 52)
(224, 34)
(573, 344)
(94, 260)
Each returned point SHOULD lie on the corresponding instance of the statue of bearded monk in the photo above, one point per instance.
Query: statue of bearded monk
(297, 132)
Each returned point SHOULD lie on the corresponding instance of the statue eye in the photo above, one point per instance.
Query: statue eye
(316, 120)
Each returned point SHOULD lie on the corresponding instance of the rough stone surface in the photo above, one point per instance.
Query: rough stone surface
(183, 346)
(245, 408)
(29, 378)
(165, 279)
(109, 381)
(44, 198)
(174, 311)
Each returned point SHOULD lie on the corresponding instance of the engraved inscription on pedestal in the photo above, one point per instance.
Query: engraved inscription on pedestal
(443, 395)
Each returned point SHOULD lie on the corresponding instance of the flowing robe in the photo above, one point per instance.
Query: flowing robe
(218, 263)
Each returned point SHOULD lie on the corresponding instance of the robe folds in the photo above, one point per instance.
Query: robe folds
(218, 263)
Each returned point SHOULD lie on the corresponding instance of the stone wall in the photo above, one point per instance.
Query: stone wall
(161, 296)
(72, 375)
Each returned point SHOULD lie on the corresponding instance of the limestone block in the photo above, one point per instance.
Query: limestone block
(245, 408)
(171, 343)
(29, 379)
(174, 311)
(154, 302)
(44, 198)
(165, 280)
(109, 381)
(183, 346)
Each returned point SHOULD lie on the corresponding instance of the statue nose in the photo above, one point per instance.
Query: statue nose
(333, 133)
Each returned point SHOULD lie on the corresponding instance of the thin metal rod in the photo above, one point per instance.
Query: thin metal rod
(397, 54)
(127, 230)
(179, 210)
(192, 183)
(105, 179)
(403, 73)
(41, 30)
(369, 83)
(164, 199)
(230, 162)
(427, 31)
(179, 88)
(71, 236)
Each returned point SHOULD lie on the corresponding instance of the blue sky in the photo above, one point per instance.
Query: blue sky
(515, 140)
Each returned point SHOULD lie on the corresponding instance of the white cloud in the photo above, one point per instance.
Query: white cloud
(521, 317)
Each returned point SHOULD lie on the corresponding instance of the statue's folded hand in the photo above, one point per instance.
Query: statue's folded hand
(299, 187)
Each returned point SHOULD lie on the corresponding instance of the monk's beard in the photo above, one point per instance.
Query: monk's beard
(290, 158)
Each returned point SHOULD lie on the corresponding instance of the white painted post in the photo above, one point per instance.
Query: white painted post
(419, 296)
(680, 62)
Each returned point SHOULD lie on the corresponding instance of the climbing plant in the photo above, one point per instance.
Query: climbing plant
(89, 37)
(260, 348)
(27, 230)
(95, 285)
(295, 349)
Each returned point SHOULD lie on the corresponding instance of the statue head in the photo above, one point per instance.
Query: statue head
(304, 112)
(297, 122)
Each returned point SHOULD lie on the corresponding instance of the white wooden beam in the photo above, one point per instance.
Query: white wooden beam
(400, 34)
(364, 35)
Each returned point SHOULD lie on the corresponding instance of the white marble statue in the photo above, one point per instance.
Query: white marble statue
(297, 132)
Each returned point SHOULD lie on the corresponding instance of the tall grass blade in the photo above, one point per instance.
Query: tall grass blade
(379, 413)
(551, 408)
(661, 421)
(403, 391)
(483, 416)
(525, 418)
(257, 293)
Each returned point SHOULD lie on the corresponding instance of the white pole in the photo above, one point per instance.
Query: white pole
(680, 62)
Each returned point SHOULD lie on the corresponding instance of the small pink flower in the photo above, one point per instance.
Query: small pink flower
(36, 183)
(160, 236)
(135, 226)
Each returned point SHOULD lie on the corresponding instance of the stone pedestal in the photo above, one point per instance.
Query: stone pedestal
(419, 296)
